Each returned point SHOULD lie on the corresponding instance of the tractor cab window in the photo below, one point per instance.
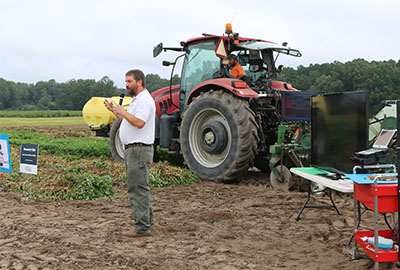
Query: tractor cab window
(253, 63)
(200, 64)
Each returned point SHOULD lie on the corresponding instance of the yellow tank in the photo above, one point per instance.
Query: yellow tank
(96, 114)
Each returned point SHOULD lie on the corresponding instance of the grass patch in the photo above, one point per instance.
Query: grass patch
(40, 114)
(40, 122)
(75, 148)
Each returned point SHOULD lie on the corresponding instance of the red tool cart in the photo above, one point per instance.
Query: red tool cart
(378, 193)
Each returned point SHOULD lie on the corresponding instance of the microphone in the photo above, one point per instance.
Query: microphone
(121, 99)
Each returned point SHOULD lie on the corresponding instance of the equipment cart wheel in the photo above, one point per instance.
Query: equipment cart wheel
(284, 182)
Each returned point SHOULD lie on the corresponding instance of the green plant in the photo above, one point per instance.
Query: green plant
(75, 147)
(70, 184)
(164, 174)
(74, 166)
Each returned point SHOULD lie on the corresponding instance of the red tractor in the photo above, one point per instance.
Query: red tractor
(222, 124)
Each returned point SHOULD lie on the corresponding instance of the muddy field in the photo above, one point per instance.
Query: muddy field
(199, 226)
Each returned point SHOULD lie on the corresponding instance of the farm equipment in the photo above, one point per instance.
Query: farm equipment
(292, 148)
(101, 121)
(221, 124)
(293, 144)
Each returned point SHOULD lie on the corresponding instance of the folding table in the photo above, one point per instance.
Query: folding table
(316, 175)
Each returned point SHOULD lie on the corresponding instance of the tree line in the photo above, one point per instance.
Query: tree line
(380, 78)
(71, 95)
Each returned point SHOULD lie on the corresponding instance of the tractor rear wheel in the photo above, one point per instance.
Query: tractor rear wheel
(116, 147)
(219, 136)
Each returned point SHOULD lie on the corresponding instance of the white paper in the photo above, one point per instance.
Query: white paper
(4, 158)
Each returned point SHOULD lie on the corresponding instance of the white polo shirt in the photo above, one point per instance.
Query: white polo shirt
(144, 108)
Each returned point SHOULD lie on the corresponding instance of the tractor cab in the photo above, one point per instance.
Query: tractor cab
(205, 61)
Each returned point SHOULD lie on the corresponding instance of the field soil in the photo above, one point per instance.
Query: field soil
(199, 226)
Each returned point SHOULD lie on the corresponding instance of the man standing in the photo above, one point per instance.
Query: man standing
(237, 69)
(137, 134)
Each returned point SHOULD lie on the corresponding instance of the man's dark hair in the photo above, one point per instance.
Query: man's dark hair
(137, 76)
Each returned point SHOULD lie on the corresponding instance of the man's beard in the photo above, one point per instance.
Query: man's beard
(131, 91)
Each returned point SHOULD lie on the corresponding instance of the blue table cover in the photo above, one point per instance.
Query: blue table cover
(363, 178)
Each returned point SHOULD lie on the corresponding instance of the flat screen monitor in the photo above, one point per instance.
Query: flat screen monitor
(296, 106)
(339, 128)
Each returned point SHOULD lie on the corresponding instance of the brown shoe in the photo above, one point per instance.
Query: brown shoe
(134, 234)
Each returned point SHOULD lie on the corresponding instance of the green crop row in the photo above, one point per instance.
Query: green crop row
(39, 114)
(66, 185)
(74, 166)
(83, 182)
(77, 147)
(74, 147)
(162, 174)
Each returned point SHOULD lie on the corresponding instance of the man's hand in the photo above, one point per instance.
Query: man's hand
(115, 109)
(108, 105)
(119, 111)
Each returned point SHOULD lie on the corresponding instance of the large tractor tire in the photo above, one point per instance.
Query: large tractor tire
(218, 136)
(116, 147)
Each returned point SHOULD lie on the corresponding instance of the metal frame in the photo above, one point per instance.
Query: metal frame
(358, 214)
(316, 206)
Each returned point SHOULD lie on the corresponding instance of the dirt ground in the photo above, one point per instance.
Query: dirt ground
(199, 226)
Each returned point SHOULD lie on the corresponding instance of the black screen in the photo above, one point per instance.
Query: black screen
(339, 128)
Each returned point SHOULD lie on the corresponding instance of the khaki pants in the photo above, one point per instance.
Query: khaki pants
(138, 161)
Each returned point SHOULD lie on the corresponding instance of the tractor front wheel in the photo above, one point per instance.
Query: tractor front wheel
(218, 136)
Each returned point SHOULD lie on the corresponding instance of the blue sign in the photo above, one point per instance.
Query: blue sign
(5, 158)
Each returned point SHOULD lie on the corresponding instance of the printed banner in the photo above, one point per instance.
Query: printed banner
(5, 158)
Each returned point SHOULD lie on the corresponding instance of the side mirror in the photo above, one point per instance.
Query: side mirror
(157, 50)
(166, 63)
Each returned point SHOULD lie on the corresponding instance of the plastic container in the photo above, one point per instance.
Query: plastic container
(383, 254)
(382, 242)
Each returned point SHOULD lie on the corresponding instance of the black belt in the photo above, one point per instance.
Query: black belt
(136, 144)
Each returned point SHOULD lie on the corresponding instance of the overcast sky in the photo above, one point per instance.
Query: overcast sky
(70, 39)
